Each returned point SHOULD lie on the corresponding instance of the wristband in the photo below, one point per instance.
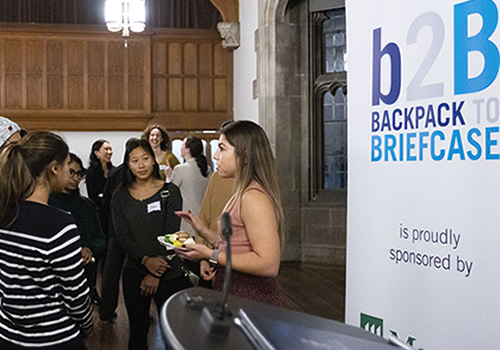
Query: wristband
(213, 257)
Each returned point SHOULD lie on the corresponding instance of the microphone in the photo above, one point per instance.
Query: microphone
(215, 316)
(227, 231)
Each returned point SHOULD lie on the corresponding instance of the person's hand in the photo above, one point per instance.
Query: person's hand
(156, 266)
(149, 286)
(207, 272)
(191, 219)
(194, 252)
(168, 173)
(86, 255)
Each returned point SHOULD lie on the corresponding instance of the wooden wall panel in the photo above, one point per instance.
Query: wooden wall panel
(34, 57)
(136, 93)
(75, 58)
(75, 92)
(13, 55)
(159, 95)
(197, 90)
(14, 91)
(190, 59)
(55, 92)
(174, 59)
(206, 93)
(96, 92)
(34, 91)
(84, 78)
(191, 94)
(175, 94)
(116, 92)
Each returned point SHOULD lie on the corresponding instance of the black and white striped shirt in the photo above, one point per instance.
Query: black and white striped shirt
(44, 297)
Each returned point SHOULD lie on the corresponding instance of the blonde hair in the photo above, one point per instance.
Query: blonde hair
(21, 164)
(255, 161)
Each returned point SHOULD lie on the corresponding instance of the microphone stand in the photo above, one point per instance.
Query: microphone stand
(216, 317)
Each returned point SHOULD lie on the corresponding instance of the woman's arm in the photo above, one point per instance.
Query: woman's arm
(92, 183)
(192, 219)
(65, 256)
(98, 239)
(258, 215)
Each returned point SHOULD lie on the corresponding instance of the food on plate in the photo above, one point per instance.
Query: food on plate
(179, 238)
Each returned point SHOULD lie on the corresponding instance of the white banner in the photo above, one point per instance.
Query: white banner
(423, 249)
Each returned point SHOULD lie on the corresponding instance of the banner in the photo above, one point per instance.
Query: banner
(423, 244)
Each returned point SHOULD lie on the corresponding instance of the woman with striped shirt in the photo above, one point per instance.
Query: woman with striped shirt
(44, 297)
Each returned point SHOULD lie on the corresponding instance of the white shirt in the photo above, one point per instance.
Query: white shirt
(188, 178)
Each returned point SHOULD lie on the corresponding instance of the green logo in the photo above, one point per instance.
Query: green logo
(372, 324)
(375, 325)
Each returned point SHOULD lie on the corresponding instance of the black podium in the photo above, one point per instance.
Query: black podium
(278, 328)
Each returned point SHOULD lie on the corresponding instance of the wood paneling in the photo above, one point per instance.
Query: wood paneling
(84, 78)
(192, 79)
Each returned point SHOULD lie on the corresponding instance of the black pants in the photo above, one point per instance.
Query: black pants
(110, 285)
(138, 306)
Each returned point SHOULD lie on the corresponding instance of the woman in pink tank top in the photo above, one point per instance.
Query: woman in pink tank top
(245, 153)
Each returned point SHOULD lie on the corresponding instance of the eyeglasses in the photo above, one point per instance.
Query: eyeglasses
(79, 174)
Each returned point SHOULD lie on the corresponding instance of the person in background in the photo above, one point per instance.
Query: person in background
(99, 167)
(84, 212)
(219, 191)
(245, 153)
(45, 302)
(143, 208)
(9, 132)
(115, 255)
(191, 177)
(159, 141)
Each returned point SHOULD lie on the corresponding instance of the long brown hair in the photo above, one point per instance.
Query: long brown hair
(165, 143)
(21, 164)
(255, 160)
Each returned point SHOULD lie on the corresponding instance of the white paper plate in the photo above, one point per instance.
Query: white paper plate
(169, 246)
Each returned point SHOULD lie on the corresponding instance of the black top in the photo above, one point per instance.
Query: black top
(43, 291)
(84, 211)
(115, 178)
(138, 223)
(95, 182)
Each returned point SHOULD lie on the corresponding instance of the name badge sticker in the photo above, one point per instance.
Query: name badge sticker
(154, 206)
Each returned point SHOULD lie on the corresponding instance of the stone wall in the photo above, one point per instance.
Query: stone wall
(316, 230)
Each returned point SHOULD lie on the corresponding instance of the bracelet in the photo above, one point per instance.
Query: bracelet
(145, 259)
(213, 257)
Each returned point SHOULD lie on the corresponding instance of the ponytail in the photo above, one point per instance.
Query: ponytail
(196, 148)
(16, 183)
(21, 164)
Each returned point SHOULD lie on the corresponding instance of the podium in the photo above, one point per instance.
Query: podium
(279, 328)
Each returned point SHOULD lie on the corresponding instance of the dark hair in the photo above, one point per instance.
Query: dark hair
(165, 143)
(94, 162)
(21, 164)
(196, 149)
(73, 158)
(132, 144)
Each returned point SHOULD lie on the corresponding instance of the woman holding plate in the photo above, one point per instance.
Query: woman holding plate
(256, 213)
(143, 208)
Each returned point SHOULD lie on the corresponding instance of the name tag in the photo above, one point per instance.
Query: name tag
(154, 206)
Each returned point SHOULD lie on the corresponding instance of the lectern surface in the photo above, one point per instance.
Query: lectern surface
(284, 329)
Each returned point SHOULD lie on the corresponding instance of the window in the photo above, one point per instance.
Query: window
(329, 106)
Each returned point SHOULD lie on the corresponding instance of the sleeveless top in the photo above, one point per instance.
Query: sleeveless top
(258, 288)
